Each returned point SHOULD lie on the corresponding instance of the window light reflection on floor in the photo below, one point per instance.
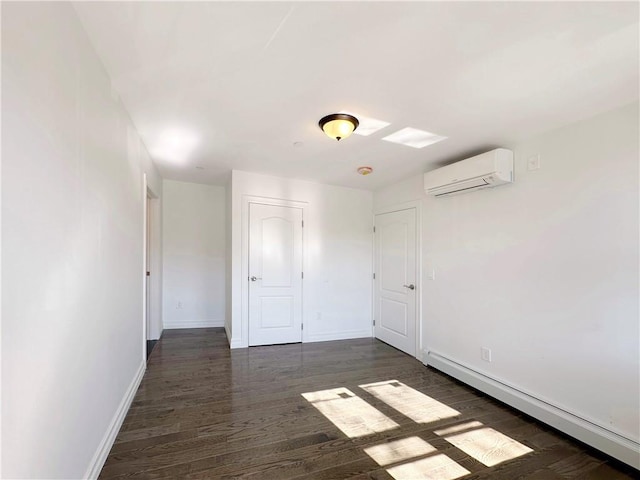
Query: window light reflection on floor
(460, 427)
(413, 458)
(352, 415)
(486, 445)
(436, 467)
(416, 405)
(399, 450)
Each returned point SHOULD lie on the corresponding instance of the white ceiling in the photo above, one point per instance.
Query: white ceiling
(247, 80)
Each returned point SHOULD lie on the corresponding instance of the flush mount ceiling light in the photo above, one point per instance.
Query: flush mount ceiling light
(365, 170)
(338, 125)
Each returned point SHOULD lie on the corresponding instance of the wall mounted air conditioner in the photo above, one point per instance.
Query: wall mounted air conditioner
(489, 169)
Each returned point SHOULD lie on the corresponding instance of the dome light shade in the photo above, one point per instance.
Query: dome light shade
(338, 125)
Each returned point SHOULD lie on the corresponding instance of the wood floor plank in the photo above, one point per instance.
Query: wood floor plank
(205, 412)
(576, 465)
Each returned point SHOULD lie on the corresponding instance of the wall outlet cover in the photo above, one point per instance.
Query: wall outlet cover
(485, 354)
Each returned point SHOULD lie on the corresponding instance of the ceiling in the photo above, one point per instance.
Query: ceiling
(215, 86)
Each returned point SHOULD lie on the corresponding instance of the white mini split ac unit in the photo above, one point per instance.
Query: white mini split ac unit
(486, 170)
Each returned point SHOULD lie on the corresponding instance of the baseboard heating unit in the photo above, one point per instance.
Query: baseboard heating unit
(612, 443)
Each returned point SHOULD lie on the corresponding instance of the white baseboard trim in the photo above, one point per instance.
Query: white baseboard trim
(194, 324)
(226, 332)
(345, 335)
(232, 343)
(622, 448)
(97, 462)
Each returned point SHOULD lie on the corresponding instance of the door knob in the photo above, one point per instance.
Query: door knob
(253, 279)
(410, 287)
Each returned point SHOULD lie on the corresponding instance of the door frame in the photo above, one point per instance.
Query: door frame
(145, 214)
(417, 205)
(244, 275)
(150, 211)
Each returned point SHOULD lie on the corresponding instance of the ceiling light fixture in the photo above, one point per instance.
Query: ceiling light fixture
(338, 125)
(365, 170)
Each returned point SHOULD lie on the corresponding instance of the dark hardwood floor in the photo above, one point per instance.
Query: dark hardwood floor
(203, 411)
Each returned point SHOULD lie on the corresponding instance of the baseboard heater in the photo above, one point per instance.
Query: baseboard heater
(612, 443)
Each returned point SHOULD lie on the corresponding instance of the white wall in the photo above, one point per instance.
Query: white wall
(408, 190)
(337, 255)
(194, 253)
(72, 247)
(544, 271)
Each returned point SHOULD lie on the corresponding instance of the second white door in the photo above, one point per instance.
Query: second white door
(275, 274)
(395, 282)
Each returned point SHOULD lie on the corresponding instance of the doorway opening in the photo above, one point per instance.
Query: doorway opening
(151, 271)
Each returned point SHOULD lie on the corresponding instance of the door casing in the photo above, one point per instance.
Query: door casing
(151, 259)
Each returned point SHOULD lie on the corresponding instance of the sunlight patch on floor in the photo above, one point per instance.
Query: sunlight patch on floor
(437, 467)
(461, 427)
(487, 445)
(352, 415)
(399, 450)
(416, 405)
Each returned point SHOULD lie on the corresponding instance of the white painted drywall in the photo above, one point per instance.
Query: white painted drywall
(337, 255)
(72, 246)
(194, 255)
(408, 190)
(544, 272)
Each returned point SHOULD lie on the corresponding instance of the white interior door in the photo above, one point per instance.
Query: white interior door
(275, 274)
(395, 281)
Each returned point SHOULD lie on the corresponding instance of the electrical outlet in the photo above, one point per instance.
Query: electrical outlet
(485, 354)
